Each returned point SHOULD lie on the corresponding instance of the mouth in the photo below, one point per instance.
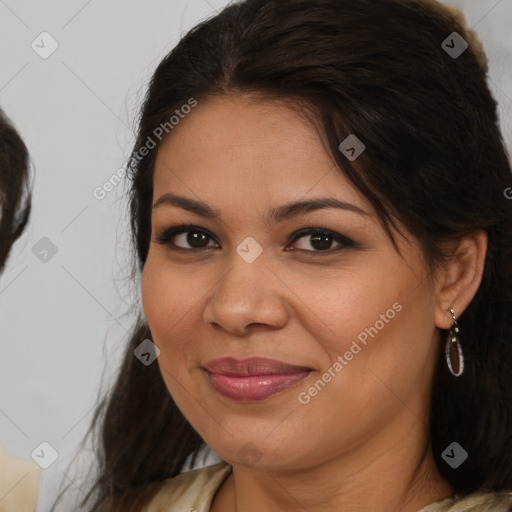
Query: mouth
(253, 379)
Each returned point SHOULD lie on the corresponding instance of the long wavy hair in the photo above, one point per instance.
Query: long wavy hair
(435, 160)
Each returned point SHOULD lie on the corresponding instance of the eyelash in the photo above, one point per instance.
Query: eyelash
(166, 236)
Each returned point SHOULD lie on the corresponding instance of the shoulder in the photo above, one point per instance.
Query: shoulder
(192, 491)
(476, 502)
(19, 481)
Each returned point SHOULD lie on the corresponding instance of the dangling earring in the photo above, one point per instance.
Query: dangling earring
(454, 349)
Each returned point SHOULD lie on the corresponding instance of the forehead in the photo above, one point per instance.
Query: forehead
(236, 146)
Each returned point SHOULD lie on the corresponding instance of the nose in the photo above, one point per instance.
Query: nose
(248, 294)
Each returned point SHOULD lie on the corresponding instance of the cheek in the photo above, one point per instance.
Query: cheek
(384, 340)
(168, 298)
(376, 325)
(337, 307)
(167, 294)
(164, 302)
(172, 299)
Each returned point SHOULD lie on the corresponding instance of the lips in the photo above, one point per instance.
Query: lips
(253, 379)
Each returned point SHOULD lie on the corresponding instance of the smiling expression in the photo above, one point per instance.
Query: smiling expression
(243, 175)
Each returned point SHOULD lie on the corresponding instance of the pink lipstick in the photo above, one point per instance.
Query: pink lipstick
(253, 379)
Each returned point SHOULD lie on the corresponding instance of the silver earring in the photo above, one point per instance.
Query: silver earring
(454, 349)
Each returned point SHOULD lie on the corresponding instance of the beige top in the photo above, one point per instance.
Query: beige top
(18, 484)
(193, 491)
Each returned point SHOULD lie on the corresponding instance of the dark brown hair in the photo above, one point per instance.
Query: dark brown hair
(15, 196)
(434, 160)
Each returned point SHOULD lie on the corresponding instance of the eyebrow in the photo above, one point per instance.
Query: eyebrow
(275, 216)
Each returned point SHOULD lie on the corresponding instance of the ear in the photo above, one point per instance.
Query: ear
(460, 277)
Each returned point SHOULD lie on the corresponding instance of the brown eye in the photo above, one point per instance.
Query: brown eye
(322, 240)
(196, 239)
(186, 238)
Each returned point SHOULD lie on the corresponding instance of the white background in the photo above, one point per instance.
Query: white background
(63, 322)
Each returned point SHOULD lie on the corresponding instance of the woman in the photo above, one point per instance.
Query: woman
(19, 479)
(320, 224)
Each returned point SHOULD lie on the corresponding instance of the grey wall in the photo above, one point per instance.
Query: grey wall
(63, 315)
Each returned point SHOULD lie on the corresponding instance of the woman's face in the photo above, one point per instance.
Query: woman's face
(354, 315)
